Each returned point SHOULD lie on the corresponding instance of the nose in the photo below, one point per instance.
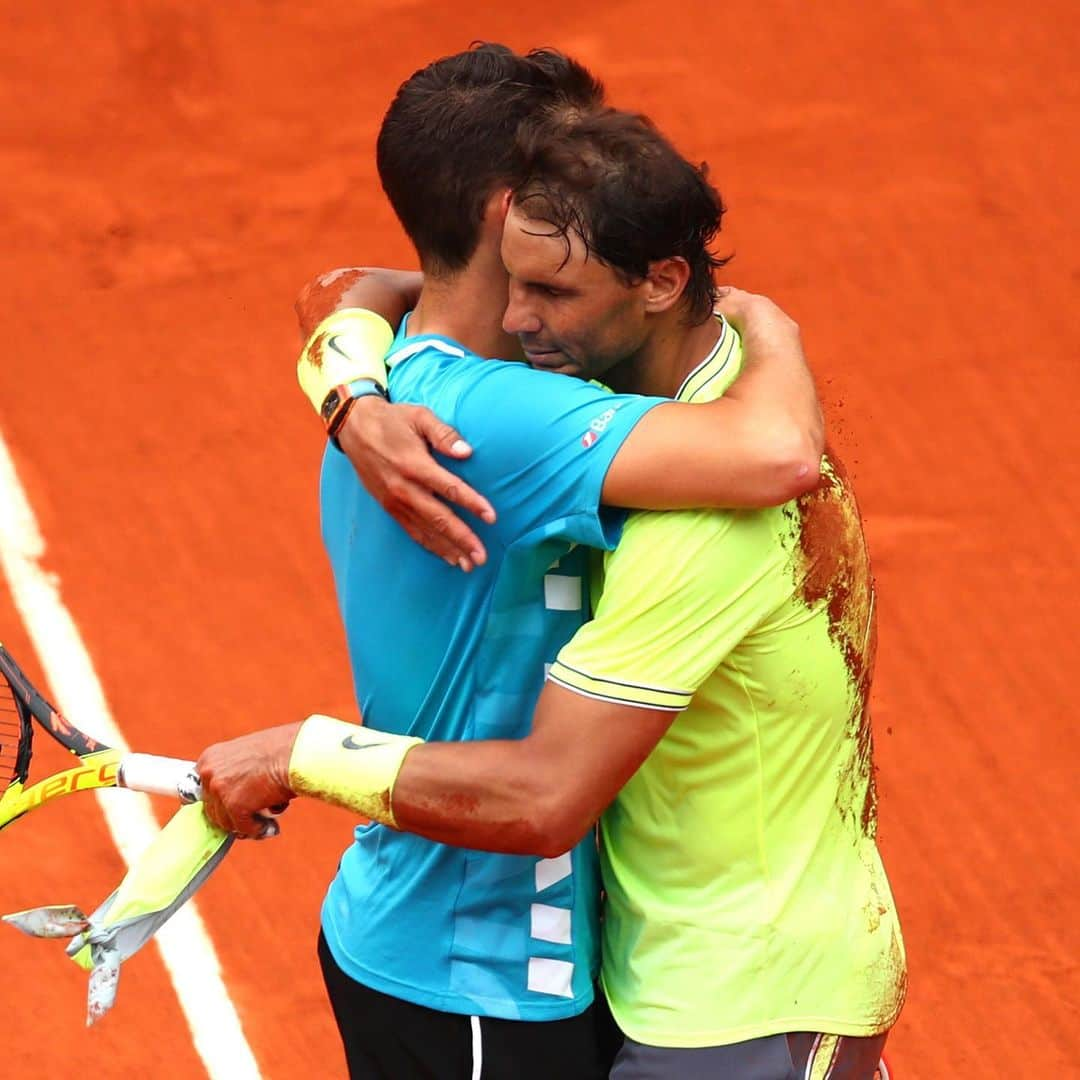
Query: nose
(518, 318)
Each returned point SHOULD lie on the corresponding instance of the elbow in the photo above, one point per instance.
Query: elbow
(549, 821)
(320, 297)
(552, 841)
(340, 276)
(798, 474)
(795, 464)
(558, 825)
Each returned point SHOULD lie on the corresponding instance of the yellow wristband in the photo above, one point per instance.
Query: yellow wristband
(348, 345)
(348, 765)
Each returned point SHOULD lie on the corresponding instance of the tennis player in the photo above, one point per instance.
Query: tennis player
(719, 697)
(439, 961)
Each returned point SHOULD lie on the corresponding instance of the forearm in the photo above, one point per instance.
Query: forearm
(720, 454)
(489, 796)
(538, 795)
(347, 319)
(760, 444)
(389, 293)
(497, 795)
(534, 796)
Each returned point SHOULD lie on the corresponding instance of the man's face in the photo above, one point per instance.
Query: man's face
(572, 315)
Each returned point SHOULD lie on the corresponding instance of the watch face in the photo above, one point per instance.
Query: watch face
(330, 404)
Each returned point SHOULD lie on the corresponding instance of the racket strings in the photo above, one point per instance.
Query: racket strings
(14, 739)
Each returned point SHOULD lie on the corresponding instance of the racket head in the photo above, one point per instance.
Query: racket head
(27, 695)
(16, 737)
(20, 705)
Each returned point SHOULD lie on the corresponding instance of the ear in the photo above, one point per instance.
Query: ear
(496, 208)
(665, 284)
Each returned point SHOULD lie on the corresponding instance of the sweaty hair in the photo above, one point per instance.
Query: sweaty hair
(447, 142)
(615, 181)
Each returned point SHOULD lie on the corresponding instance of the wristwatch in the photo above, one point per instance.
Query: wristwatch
(336, 404)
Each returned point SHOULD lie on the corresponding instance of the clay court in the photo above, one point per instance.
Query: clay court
(900, 176)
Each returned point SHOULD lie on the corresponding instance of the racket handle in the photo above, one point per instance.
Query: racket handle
(178, 779)
(160, 776)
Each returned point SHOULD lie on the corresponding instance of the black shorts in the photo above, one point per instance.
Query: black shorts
(386, 1038)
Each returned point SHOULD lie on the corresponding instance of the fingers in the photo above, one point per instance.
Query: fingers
(753, 313)
(442, 437)
(434, 525)
(267, 825)
(391, 446)
(732, 304)
(239, 781)
(215, 810)
(431, 478)
(254, 827)
(445, 440)
(257, 826)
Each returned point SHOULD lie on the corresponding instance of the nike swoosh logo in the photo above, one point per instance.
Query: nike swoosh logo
(331, 343)
(348, 744)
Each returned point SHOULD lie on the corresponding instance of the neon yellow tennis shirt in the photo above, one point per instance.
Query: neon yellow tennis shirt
(745, 893)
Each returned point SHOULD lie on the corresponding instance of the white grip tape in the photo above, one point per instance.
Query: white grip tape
(160, 776)
(177, 779)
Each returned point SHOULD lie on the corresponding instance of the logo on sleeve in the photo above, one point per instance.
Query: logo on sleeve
(596, 428)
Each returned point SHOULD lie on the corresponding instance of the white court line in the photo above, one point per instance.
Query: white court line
(185, 946)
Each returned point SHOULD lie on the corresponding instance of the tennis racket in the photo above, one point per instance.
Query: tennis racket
(100, 766)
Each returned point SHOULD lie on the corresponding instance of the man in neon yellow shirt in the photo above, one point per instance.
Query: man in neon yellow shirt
(718, 696)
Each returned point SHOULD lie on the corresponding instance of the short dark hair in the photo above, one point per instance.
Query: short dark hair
(447, 141)
(615, 181)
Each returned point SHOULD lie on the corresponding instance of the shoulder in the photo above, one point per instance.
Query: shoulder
(701, 548)
(706, 528)
(508, 397)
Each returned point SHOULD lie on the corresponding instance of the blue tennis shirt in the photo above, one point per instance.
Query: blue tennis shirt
(452, 656)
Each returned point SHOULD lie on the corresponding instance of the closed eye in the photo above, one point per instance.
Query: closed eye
(548, 290)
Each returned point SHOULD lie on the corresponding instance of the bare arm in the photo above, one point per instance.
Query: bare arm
(391, 446)
(758, 445)
(534, 796)
(389, 293)
(538, 795)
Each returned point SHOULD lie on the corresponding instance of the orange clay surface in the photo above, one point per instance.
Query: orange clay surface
(901, 176)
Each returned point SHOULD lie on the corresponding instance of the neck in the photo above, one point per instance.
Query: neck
(669, 354)
(468, 307)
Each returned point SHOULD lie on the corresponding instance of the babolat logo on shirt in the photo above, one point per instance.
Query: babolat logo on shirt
(596, 428)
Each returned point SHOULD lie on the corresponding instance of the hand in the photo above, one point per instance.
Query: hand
(755, 315)
(767, 331)
(390, 447)
(242, 777)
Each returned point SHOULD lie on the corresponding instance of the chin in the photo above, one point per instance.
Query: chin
(553, 362)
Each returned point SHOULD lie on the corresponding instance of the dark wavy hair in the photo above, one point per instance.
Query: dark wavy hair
(447, 141)
(615, 181)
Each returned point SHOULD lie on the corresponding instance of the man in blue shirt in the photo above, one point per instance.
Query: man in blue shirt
(434, 955)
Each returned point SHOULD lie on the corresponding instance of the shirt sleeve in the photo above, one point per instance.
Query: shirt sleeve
(681, 590)
(542, 445)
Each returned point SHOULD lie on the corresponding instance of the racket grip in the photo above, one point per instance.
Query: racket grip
(160, 776)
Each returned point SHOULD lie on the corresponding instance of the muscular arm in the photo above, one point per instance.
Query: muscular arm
(390, 446)
(758, 445)
(658, 634)
(533, 796)
(538, 795)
